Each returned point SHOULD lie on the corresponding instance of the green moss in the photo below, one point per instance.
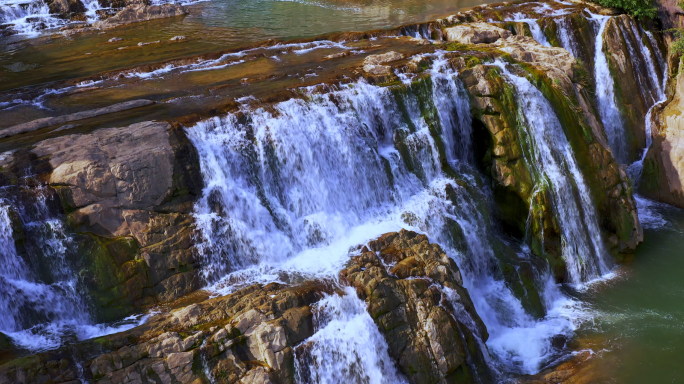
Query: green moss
(106, 265)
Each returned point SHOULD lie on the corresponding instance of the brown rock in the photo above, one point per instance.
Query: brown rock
(475, 33)
(422, 324)
(139, 12)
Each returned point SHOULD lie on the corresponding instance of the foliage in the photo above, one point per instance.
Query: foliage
(637, 8)
(677, 46)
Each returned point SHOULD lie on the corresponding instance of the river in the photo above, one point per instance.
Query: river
(637, 314)
(291, 187)
(210, 26)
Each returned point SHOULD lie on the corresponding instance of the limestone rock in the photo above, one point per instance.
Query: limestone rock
(139, 12)
(373, 64)
(475, 33)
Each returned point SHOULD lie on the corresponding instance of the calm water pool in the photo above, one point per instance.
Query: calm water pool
(638, 329)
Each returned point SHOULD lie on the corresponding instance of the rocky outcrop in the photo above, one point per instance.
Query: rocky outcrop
(128, 193)
(662, 177)
(139, 12)
(413, 290)
(415, 295)
(565, 83)
(475, 33)
(245, 337)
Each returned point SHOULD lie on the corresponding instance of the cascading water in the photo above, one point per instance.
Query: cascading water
(289, 189)
(37, 314)
(39, 292)
(636, 167)
(347, 346)
(566, 38)
(605, 95)
(583, 249)
(535, 29)
(29, 17)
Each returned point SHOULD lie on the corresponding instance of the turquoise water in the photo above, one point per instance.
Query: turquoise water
(638, 330)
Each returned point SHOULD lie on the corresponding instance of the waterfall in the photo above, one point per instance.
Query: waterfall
(347, 346)
(535, 29)
(289, 189)
(30, 17)
(452, 103)
(39, 292)
(567, 39)
(636, 167)
(605, 94)
(279, 182)
(583, 249)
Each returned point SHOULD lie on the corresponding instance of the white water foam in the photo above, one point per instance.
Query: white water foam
(38, 315)
(347, 346)
(289, 190)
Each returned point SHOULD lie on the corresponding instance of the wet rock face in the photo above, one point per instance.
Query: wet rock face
(564, 82)
(662, 177)
(415, 296)
(128, 193)
(412, 288)
(245, 337)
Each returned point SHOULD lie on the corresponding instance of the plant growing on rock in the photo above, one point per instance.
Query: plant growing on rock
(637, 8)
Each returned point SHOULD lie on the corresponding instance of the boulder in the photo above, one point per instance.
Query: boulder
(62, 7)
(415, 295)
(373, 64)
(475, 33)
(129, 193)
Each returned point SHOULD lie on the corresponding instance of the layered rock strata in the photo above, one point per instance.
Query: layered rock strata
(251, 335)
(127, 194)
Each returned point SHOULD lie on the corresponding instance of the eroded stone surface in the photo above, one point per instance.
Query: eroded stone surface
(427, 330)
(129, 191)
(475, 33)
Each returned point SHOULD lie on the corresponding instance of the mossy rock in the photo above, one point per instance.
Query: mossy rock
(114, 279)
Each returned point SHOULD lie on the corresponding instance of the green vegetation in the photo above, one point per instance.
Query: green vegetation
(677, 45)
(637, 8)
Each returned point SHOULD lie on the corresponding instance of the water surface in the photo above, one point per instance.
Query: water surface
(210, 26)
(638, 329)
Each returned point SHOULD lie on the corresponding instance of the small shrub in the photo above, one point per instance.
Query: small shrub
(637, 8)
